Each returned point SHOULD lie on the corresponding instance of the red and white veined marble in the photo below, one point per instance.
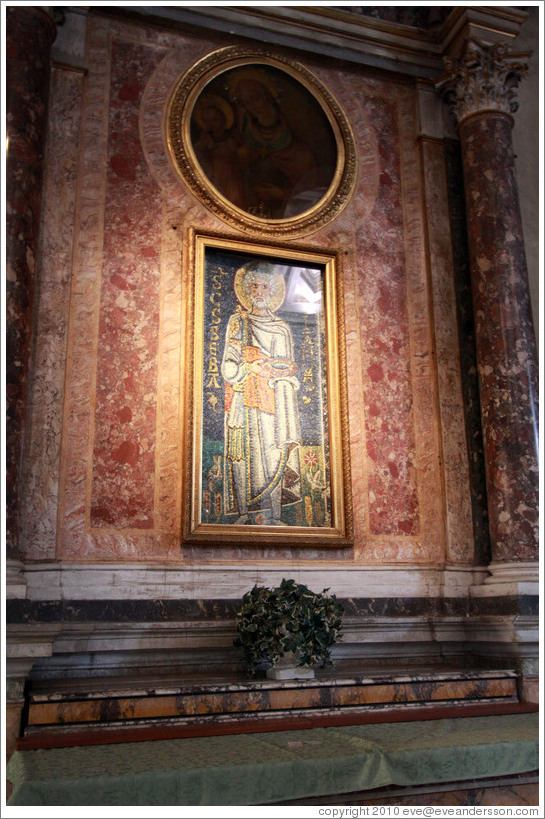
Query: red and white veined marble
(122, 464)
(506, 350)
(125, 418)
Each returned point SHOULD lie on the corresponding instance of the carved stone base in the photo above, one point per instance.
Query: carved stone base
(509, 578)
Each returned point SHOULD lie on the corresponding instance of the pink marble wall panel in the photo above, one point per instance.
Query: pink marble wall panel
(126, 382)
(414, 375)
(78, 538)
(74, 539)
(123, 465)
(384, 336)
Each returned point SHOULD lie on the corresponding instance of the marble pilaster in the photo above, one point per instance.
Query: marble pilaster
(482, 86)
(450, 404)
(29, 35)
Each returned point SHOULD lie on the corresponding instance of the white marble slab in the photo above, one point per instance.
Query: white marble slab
(113, 581)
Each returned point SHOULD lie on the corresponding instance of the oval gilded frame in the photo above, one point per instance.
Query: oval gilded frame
(180, 113)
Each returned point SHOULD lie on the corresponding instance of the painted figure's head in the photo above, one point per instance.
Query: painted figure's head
(214, 114)
(258, 102)
(255, 91)
(260, 286)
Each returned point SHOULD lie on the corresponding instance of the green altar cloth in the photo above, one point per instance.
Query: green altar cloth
(252, 769)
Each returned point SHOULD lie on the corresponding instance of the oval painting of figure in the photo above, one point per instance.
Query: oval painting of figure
(262, 142)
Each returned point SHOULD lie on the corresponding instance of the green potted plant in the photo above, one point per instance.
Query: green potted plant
(288, 627)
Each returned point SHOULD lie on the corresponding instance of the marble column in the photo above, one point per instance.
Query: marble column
(30, 31)
(481, 86)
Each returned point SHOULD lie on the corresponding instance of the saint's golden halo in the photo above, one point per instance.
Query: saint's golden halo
(213, 100)
(243, 297)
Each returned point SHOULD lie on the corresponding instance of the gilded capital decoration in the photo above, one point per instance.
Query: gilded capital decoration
(484, 79)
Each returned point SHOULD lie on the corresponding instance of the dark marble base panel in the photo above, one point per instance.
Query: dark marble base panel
(155, 611)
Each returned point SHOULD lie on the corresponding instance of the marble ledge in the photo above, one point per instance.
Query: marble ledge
(23, 650)
(91, 689)
(513, 589)
(30, 645)
(123, 581)
(34, 638)
(516, 635)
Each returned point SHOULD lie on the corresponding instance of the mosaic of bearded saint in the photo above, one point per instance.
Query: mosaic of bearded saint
(262, 426)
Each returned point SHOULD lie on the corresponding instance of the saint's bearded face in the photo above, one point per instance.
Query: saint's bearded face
(260, 292)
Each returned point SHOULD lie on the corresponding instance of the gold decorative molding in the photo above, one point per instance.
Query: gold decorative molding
(180, 110)
(338, 532)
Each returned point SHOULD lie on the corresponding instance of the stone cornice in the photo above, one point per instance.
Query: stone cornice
(486, 25)
(332, 32)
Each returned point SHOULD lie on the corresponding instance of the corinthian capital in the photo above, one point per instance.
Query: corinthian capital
(484, 79)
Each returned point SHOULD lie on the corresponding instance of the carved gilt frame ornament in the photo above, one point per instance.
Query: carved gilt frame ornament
(266, 432)
(252, 172)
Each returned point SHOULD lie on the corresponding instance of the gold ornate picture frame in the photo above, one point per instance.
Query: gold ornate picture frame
(261, 142)
(266, 426)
